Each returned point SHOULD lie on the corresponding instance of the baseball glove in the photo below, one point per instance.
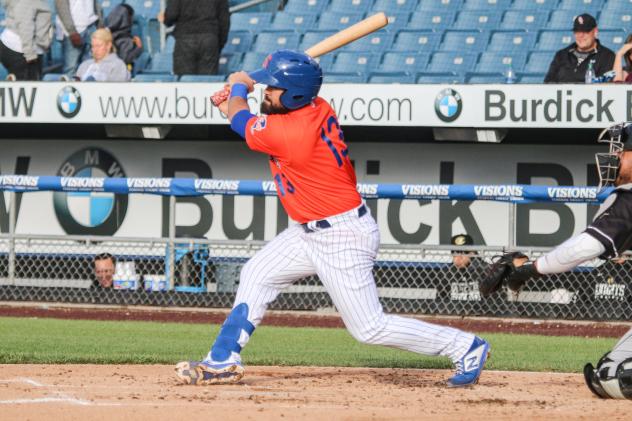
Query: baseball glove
(498, 272)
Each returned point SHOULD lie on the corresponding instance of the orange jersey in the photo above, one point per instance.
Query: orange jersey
(309, 161)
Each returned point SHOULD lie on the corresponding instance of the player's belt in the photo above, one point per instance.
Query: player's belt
(323, 223)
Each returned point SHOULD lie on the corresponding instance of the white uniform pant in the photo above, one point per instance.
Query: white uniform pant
(343, 257)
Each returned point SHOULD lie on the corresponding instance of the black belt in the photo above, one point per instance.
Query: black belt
(323, 223)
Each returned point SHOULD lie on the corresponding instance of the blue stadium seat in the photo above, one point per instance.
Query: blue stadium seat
(391, 77)
(294, 22)
(497, 62)
(4, 72)
(106, 6)
(48, 77)
(440, 78)
(334, 21)
(445, 5)
(394, 6)
(554, 40)
(170, 44)
(562, 19)
(350, 6)
(141, 63)
(146, 8)
(615, 19)
(477, 19)
(454, 62)
(253, 22)
(511, 41)
(434, 20)
(486, 5)
(531, 78)
(267, 42)
(238, 42)
(472, 41)
(306, 6)
(539, 61)
(344, 78)
(411, 63)
(253, 61)
(229, 63)
(326, 62)
(377, 42)
(526, 20)
(151, 42)
(613, 39)
(534, 5)
(620, 5)
(582, 6)
(349, 62)
(425, 41)
(160, 63)
(397, 21)
(154, 77)
(484, 78)
(312, 37)
(203, 78)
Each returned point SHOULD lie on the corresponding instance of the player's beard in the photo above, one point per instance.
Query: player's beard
(267, 107)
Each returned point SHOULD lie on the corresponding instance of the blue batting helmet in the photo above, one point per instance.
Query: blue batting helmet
(297, 73)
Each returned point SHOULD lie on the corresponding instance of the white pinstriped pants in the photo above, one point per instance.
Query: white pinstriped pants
(343, 257)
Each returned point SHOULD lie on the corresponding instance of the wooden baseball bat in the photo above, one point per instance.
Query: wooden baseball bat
(348, 35)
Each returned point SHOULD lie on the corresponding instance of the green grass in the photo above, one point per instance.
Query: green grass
(30, 340)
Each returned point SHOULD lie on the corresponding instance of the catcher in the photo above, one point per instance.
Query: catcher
(609, 235)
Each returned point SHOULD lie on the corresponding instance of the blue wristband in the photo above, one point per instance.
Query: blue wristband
(240, 90)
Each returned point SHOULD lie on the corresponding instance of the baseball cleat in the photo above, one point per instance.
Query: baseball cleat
(470, 366)
(205, 373)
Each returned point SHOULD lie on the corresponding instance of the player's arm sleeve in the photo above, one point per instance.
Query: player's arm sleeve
(267, 134)
(240, 121)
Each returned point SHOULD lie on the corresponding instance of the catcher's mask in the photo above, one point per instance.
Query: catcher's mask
(618, 137)
(610, 380)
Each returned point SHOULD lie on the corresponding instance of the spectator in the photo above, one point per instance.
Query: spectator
(119, 21)
(624, 56)
(76, 21)
(26, 37)
(104, 265)
(201, 30)
(570, 63)
(105, 66)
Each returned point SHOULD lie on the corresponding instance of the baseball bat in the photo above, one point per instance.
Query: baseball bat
(348, 35)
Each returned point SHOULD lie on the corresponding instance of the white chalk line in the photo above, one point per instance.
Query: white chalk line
(59, 396)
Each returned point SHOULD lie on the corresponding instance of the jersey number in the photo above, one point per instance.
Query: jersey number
(280, 179)
(332, 121)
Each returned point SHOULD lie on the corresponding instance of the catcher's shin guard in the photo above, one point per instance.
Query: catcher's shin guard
(520, 275)
(592, 381)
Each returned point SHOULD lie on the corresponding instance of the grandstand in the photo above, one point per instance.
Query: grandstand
(451, 40)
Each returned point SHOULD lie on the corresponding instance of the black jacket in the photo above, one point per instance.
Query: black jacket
(199, 17)
(564, 68)
(120, 23)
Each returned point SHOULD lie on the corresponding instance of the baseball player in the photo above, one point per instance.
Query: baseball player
(335, 237)
(609, 235)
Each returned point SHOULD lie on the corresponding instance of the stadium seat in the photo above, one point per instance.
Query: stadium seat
(397, 21)
(554, 40)
(615, 19)
(350, 62)
(432, 20)
(268, 42)
(229, 63)
(350, 6)
(539, 61)
(344, 78)
(157, 77)
(160, 63)
(107, 6)
(444, 5)
(146, 8)
(254, 22)
(253, 61)
(49, 77)
(4, 73)
(394, 6)
(477, 19)
(486, 5)
(238, 42)
(152, 36)
(326, 62)
(531, 78)
(534, 5)
(451, 62)
(613, 39)
(511, 41)
(312, 37)
(285, 21)
(424, 41)
(411, 63)
(499, 61)
(141, 63)
(440, 78)
(562, 19)
(203, 78)
(485, 78)
(334, 21)
(391, 77)
(298, 7)
(620, 5)
(170, 44)
(526, 20)
(377, 42)
(472, 41)
(582, 6)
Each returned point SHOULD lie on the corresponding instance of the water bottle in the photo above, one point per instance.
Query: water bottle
(510, 76)
(590, 73)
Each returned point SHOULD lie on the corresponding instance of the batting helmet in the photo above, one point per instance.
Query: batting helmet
(611, 379)
(297, 73)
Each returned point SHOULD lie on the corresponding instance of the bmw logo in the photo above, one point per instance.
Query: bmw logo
(69, 102)
(448, 105)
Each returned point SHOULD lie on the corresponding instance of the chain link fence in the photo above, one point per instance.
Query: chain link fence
(199, 273)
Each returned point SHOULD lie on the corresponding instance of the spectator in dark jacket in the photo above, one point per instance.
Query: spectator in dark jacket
(570, 63)
(623, 62)
(119, 21)
(201, 30)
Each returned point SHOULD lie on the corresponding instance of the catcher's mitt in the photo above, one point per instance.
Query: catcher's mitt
(498, 272)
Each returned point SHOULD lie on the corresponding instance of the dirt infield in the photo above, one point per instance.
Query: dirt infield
(80, 392)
